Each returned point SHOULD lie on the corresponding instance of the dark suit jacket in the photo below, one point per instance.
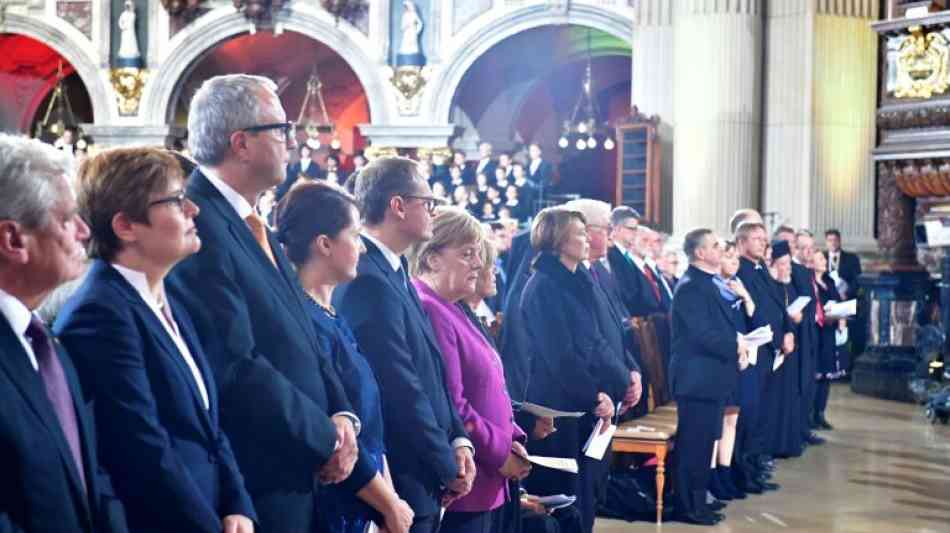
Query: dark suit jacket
(397, 339)
(488, 170)
(607, 288)
(635, 290)
(849, 268)
(704, 342)
(542, 177)
(276, 390)
(170, 461)
(807, 341)
(40, 489)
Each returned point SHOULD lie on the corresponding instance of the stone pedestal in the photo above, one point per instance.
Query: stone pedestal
(717, 102)
(108, 136)
(408, 136)
(892, 306)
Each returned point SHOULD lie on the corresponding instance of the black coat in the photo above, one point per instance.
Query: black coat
(635, 290)
(277, 390)
(827, 350)
(397, 339)
(769, 309)
(157, 440)
(705, 350)
(807, 338)
(607, 288)
(574, 343)
(849, 268)
(40, 490)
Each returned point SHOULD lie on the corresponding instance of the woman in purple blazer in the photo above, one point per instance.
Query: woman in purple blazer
(447, 268)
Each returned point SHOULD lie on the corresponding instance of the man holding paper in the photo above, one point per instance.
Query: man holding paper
(706, 351)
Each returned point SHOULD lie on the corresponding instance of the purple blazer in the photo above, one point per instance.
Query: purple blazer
(476, 381)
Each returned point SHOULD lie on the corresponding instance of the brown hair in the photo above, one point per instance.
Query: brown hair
(311, 209)
(551, 227)
(451, 227)
(121, 180)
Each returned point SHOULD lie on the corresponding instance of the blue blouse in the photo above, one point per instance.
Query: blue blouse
(341, 509)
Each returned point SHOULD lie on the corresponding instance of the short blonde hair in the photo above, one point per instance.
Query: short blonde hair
(551, 227)
(489, 251)
(451, 227)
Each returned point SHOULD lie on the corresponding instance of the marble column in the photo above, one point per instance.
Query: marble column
(653, 82)
(717, 103)
(819, 116)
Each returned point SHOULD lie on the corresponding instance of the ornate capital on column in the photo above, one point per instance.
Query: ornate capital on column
(408, 82)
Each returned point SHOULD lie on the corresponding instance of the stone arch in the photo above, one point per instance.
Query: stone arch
(75, 48)
(441, 92)
(191, 43)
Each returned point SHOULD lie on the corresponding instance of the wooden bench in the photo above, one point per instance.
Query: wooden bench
(652, 434)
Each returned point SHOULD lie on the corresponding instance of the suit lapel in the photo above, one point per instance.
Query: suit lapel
(158, 333)
(15, 362)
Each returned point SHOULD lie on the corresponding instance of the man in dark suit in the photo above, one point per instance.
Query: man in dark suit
(702, 372)
(846, 264)
(138, 355)
(486, 165)
(427, 447)
(813, 319)
(305, 167)
(641, 297)
(282, 403)
(755, 422)
(51, 479)
(540, 172)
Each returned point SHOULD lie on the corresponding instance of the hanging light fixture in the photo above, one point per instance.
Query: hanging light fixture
(583, 130)
(314, 117)
(59, 117)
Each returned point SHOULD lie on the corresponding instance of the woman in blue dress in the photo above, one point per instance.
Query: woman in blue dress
(318, 223)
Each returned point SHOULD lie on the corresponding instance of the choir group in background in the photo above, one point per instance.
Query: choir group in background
(254, 339)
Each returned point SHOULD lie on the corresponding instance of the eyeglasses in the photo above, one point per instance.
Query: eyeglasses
(430, 202)
(289, 129)
(177, 199)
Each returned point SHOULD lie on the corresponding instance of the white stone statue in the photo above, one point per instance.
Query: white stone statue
(411, 29)
(128, 42)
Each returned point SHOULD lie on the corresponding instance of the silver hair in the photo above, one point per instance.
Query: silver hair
(595, 211)
(223, 105)
(29, 170)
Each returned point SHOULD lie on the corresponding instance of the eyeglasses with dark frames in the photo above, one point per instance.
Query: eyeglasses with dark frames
(289, 129)
(430, 202)
(177, 199)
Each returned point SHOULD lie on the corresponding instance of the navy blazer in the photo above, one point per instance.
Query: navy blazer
(40, 489)
(770, 309)
(542, 176)
(396, 337)
(607, 285)
(171, 463)
(276, 390)
(635, 290)
(704, 345)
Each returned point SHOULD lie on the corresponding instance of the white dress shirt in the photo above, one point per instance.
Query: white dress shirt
(243, 208)
(19, 316)
(139, 282)
(535, 164)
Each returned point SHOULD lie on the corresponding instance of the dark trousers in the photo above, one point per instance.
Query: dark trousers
(459, 522)
(425, 524)
(822, 391)
(749, 436)
(809, 389)
(291, 512)
(699, 421)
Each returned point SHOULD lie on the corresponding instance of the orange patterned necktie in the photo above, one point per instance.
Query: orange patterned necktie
(259, 230)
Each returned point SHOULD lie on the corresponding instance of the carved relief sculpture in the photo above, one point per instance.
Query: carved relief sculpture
(923, 65)
(128, 83)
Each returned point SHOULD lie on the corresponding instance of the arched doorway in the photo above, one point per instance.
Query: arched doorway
(266, 54)
(523, 88)
(28, 73)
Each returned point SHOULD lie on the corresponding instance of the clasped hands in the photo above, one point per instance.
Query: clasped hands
(462, 484)
(341, 463)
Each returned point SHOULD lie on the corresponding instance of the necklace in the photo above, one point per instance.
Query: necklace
(328, 309)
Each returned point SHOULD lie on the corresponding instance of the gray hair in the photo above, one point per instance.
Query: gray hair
(595, 211)
(223, 105)
(29, 170)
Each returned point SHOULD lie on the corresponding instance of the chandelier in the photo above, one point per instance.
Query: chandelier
(59, 116)
(583, 131)
(314, 118)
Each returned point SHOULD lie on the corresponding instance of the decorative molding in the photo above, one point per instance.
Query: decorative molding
(922, 65)
(128, 83)
(719, 7)
(899, 118)
(408, 136)
(408, 82)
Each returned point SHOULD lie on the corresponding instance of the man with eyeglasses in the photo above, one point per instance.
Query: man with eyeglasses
(641, 297)
(430, 455)
(282, 403)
